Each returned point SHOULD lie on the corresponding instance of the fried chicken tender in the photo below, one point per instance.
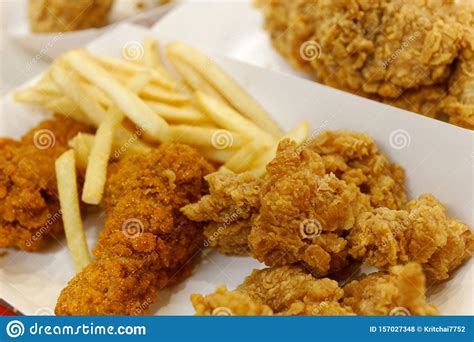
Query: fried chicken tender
(147, 243)
(287, 290)
(30, 214)
(356, 159)
(291, 290)
(64, 15)
(230, 206)
(398, 52)
(304, 212)
(399, 292)
(422, 233)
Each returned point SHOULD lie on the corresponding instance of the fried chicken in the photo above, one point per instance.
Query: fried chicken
(398, 52)
(147, 243)
(229, 208)
(290, 290)
(64, 15)
(422, 233)
(29, 207)
(304, 213)
(356, 159)
(287, 290)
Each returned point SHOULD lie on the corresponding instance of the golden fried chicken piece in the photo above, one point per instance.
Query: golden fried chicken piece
(286, 290)
(304, 212)
(65, 15)
(146, 243)
(233, 200)
(422, 233)
(29, 207)
(355, 158)
(398, 52)
(399, 292)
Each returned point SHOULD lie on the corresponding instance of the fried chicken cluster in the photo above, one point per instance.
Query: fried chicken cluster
(29, 207)
(422, 233)
(290, 290)
(417, 54)
(65, 16)
(147, 243)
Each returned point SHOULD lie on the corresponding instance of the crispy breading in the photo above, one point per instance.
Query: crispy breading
(422, 233)
(399, 292)
(356, 159)
(29, 207)
(147, 243)
(287, 290)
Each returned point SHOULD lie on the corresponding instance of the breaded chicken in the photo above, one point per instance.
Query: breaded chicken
(29, 207)
(291, 290)
(398, 292)
(356, 159)
(146, 243)
(287, 291)
(65, 16)
(398, 52)
(228, 209)
(422, 233)
(304, 213)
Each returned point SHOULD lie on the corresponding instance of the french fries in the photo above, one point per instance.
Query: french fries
(228, 88)
(182, 115)
(242, 160)
(96, 172)
(207, 137)
(68, 198)
(127, 102)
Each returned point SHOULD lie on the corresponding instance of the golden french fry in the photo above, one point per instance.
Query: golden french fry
(298, 134)
(228, 88)
(138, 82)
(33, 96)
(193, 79)
(119, 65)
(243, 159)
(226, 117)
(126, 101)
(82, 146)
(215, 155)
(96, 172)
(204, 136)
(179, 115)
(152, 59)
(68, 198)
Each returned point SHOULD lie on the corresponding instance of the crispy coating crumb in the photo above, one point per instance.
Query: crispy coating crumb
(146, 243)
(399, 292)
(422, 233)
(29, 205)
(355, 158)
(286, 290)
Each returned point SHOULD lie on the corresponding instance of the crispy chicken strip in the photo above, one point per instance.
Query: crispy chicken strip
(29, 207)
(146, 243)
(422, 233)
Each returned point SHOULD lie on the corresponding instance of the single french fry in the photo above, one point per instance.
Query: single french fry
(215, 155)
(298, 134)
(193, 79)
(243, 159)
(68, 198)
(204, 136)
(152, 59)
(226, 117)
(179, 115)
(33, 96)
(96, 172)
(227, 87)
(126, 101)
(82, 146)
(116, 64)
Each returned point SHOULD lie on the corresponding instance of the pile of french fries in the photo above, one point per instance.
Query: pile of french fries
(136, 105)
